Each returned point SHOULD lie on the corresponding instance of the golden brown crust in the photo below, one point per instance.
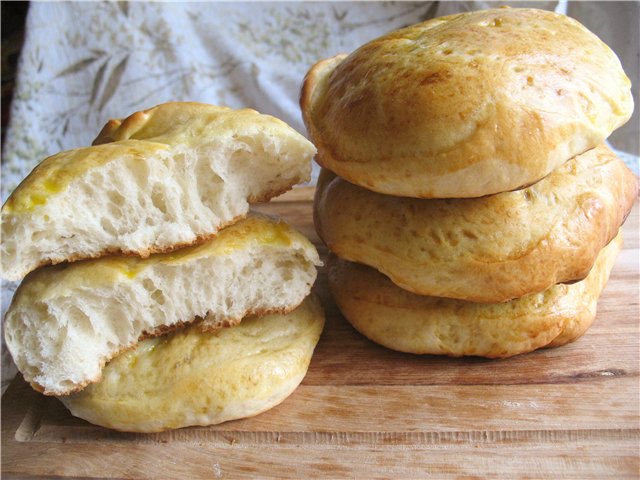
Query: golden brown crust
(208, 326)
(466, 105)
(403, 321)
(158, 120)
(105, 135)
(489, 249)
(317, 73)
(124, 128)
(273, 192)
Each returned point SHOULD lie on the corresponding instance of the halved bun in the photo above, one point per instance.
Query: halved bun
(411, 323)
(465, 105)
(490, 249)
(192, 377)
(173, 176)
(66, 321)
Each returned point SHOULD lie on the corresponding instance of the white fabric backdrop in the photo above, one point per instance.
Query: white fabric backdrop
(83, 63)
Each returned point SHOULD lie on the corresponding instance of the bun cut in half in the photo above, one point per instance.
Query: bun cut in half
(192, 377)
(66, 321)
(465, 105)
(158, 180)
(489, 249)
(411, 323)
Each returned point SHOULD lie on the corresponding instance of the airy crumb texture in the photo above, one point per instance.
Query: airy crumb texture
(192, 377)
(466, 105)
(490, 249)
(403, 321)
(66, 321)
(171, 176)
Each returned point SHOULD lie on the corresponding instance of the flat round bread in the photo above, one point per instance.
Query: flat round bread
(465, 105)
(411, 323)
(191, 377)
(161, 179)
(489, 249)
(66, 321)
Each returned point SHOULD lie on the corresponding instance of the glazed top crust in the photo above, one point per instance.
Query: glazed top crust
(190, 122)
(187, 125)
(465, 105)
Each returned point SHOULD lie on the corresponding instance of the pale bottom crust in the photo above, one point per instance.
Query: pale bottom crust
(403, 321)
(191, 377)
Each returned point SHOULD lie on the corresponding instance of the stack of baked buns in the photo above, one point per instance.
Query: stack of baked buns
(153, 299)
(467, 196)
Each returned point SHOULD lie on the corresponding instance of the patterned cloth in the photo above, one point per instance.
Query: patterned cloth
(84, 63)
(114, 58)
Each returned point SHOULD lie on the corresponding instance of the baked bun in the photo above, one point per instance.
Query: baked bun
(465, 105)
(173, 176)
(489, 249)
(403, 321)
(192, 377)
(66, 321)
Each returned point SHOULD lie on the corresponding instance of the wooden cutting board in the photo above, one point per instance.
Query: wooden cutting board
(364, 411)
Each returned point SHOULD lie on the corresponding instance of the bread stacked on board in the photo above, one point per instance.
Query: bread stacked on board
(467, 196)
(155, 253)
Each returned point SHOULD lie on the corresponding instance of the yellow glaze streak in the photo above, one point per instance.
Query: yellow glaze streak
(255, 229)
(186, 125)
(54, 174)
(239, 236)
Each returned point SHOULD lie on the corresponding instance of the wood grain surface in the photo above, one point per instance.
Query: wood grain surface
(367, 412)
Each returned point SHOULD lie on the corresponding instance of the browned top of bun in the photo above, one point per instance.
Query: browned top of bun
(465, 105)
